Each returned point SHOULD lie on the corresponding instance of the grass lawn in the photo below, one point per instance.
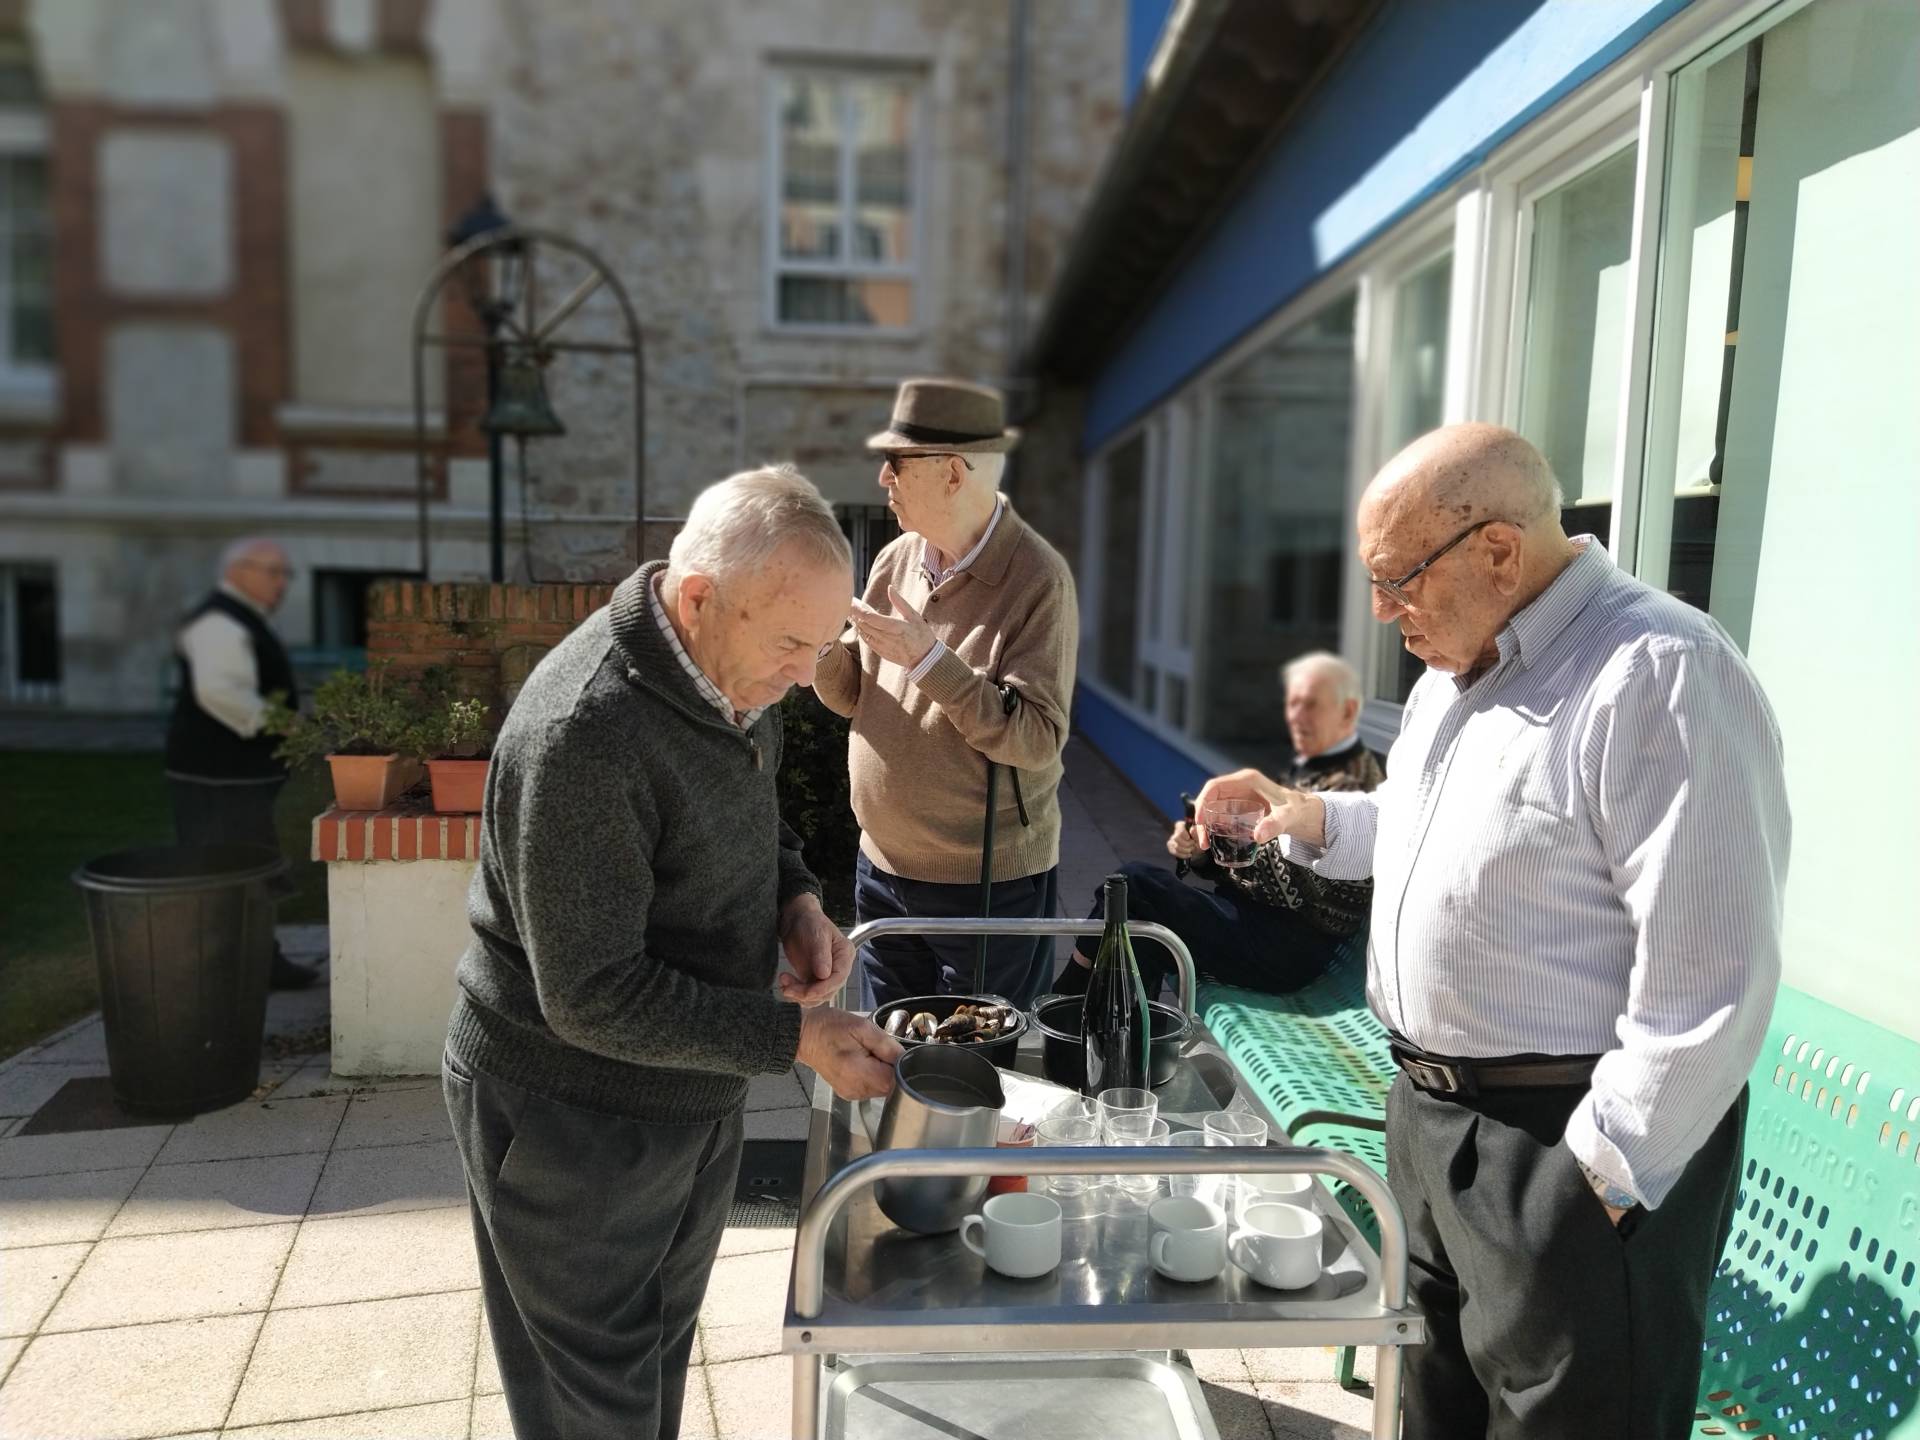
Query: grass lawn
(62, 810)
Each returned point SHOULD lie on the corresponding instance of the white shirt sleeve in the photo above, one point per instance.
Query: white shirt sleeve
(226, 678)
(927, 661)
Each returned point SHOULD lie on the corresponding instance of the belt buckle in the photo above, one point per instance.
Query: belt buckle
(1436, 1078)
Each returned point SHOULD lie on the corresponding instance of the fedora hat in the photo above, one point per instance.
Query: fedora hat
(946, 415)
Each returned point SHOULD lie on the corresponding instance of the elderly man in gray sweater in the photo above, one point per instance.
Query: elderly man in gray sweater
(636, 885)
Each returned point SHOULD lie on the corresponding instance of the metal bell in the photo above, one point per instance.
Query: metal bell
(520, 407)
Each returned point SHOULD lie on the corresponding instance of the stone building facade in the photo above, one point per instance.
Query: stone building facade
(218, 215)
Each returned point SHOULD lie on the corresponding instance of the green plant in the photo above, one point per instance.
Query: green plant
(814, 796)
(353, 713)
(441, 723)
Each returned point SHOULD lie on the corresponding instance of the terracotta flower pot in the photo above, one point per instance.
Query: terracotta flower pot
(370, 782)
(458, 785)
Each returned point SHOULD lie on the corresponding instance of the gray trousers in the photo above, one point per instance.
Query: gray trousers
(1544, 1319)
(595, 1236)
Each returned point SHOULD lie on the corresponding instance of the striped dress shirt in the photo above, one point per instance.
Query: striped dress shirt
(709, 691)
(1583, 852)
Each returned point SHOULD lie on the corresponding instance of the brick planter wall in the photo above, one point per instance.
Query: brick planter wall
(490, 635)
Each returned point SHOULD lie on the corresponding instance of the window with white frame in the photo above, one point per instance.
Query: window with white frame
(1414, 403)
(1783, 445)
(1576, 332)
(29, 634)
(26, 281)
(846, 206)
(1277, 527)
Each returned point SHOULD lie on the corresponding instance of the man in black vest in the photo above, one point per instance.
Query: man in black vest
(220, 766)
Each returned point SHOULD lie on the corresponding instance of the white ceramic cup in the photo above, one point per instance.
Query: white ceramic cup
(1278, 1245)
(1273, 1190)
(1189, 1239)
(1018, 1234)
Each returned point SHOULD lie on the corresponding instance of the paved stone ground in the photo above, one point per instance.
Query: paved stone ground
(300, 1266)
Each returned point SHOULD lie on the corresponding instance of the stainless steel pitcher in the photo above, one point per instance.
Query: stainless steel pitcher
(945, 1097)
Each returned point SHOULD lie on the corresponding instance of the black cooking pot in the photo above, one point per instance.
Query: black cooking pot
(1063, 1055)
(1000, 1050)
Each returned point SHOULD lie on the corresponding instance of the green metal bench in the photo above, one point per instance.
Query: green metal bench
(1813, 1321)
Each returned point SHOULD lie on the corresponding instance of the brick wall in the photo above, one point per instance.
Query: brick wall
(491, 636)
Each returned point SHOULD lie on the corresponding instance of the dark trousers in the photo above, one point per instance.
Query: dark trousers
(1233, 938)
(209, 814)
(895, 966)
(595, 1236)
(1543, 1319)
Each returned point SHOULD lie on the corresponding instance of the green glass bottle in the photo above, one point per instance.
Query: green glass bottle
(1117, 1026)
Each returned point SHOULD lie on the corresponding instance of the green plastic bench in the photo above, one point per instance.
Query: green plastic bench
(1813, 1321)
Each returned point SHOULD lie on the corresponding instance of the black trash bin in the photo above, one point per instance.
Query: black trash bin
(184, 942)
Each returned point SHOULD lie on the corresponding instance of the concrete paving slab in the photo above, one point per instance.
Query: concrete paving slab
(443, 1420)
(1237, 1411)
(25, 1088)
(377, 1257)
(270, 1127)
(344, 1359)
(1227, 1367)
(490, 1420)
(1312, 1363)
(388, 1179)
(25, 1155)
(9, 1352)
(85, 1044)
(52, 1209)
(752, 1397)
(144, 1278)
(219, 1195)
(31, 1280)
(486, 1366)
(696, 1411)
(316, 1077)
(752, 1240)
(1316, 1412)
(395, 1117)
(139, 1381)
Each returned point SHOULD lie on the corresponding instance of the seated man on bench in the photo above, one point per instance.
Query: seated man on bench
(1272, 925)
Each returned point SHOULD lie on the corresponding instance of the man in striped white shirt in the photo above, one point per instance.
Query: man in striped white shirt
(1578, 857)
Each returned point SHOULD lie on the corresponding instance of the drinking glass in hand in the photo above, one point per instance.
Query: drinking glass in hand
(1229, 825)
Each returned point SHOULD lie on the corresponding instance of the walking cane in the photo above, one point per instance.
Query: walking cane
(1009, 702)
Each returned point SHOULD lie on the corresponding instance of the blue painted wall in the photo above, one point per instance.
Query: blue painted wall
(1160, 770)
(1145, 20)
(1421, 99)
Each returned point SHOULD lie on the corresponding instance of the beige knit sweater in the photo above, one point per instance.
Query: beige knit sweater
(918, 758)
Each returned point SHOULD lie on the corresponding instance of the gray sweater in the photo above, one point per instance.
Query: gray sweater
(632, 867)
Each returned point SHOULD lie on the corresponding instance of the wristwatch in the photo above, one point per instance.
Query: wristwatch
(1609, 1193)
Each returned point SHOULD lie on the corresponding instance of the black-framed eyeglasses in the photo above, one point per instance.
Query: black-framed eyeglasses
(893, 458)
(1396, 590)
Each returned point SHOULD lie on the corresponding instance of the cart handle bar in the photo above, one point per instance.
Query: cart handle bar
(983, 925)
(810, 1245)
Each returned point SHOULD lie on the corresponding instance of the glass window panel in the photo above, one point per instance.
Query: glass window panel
(1416, 396)
(27, 191)
(881, 121)
(832, 300)
(32, 334)
(1784, 442)
(1120, 565)
(1576, 333)
(1417, 367)
(1177, 702)
(1277, 528)
(810, 132)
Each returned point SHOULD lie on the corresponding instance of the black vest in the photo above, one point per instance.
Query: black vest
(199, 745)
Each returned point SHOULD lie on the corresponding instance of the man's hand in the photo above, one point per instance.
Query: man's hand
(903, 637)
(1182, 843)
(1298, 813)
(854, 1055)
(818, 954)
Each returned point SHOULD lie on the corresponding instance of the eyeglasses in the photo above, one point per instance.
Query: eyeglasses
(1396, 590)
(895, 459)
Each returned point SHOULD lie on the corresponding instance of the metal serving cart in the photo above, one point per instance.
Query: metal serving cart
(898, 1335)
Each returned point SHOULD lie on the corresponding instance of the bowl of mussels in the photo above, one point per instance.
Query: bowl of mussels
(985, 1023)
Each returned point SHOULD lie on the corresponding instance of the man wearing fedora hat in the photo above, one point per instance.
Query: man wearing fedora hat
(960, 657)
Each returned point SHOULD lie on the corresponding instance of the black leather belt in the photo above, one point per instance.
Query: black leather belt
(1441, 1076)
